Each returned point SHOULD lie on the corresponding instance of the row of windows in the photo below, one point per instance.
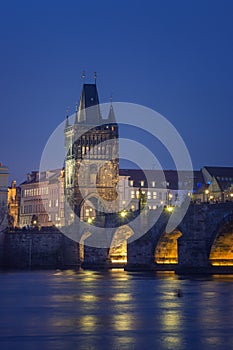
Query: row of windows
(224, 178)
(149, 195)
(38, 191)
(35, 208)
(151, 207)
(142, 183)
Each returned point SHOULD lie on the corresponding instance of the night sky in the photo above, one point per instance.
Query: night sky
(173, 56)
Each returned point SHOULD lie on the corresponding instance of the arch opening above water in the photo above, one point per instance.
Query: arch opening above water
(166, 250)
(118, 248)
(221, 253)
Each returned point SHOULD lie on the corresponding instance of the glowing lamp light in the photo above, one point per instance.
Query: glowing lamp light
(89, 220)
(123, 213)
(170, 209)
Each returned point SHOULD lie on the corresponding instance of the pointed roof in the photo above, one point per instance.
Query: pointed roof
(89, 98)
(67, 124)
(111, 115)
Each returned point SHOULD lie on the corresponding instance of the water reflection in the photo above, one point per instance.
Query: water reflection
(114, 310)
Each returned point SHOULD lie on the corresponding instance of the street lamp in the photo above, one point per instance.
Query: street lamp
(207, 192)
(89, 220)
(169, 198)
(123, 213)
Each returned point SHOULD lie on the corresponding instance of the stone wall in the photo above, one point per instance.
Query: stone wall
(39, 250)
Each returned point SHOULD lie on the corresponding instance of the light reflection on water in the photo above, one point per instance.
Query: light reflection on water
(114, 310)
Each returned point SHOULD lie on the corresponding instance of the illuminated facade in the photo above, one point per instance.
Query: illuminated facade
(158, 188)
(42, 199)
(13, 205)
(91, 164)
(217, 185)
(3, 196)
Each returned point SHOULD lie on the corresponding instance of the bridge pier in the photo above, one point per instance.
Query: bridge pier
(192, 255)
(95, 258)
(140, 254)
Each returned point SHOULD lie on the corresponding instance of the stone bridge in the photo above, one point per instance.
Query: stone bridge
(202, 241)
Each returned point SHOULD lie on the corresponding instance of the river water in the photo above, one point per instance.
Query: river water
(114, 310)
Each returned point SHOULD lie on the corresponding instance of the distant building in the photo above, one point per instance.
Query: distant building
(219, 183)
(13, 204)
(4, 174)
(42, 194)
(158, 188)
(42, 199)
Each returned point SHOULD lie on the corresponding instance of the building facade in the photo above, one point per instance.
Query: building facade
(13, 205)
(4, 174)
(42, 199)
(217, 185)
(91, 164)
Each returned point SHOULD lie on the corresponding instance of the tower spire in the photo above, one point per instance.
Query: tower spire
(67, 122)
(67, 118)
(84, 76)
(111, 115)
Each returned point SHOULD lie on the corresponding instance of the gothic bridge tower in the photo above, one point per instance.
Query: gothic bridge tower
(92, 160)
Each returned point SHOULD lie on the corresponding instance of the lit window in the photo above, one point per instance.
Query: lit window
(153, 183)
(149, 195)
(131, 183)
(154, 195)
(132, 207)
(56, 202)
(154, 207)
(132, 194)
(142, 183)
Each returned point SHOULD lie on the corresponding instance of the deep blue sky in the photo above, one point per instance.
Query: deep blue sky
(173, 56)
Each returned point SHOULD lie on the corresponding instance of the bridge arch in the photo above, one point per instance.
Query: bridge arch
(166, 248)
(220, 247)
(118, 247)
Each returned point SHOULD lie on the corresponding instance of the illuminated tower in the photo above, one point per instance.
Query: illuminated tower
(91, 164)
